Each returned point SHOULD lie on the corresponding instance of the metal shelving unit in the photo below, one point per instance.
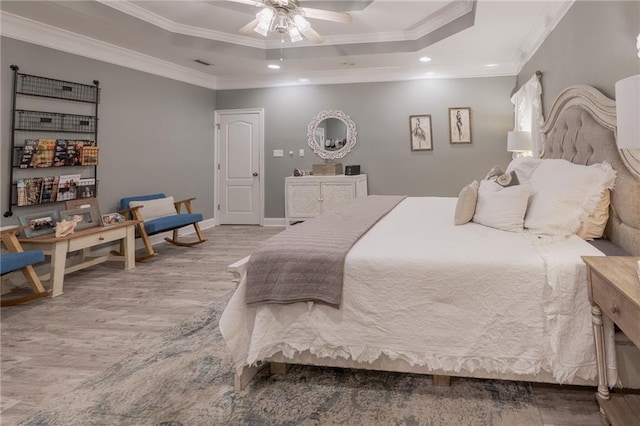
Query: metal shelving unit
(48, 122)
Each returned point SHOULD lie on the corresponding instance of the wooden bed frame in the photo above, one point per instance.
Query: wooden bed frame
(581, 128)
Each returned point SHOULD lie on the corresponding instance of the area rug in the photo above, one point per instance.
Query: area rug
(185, 379)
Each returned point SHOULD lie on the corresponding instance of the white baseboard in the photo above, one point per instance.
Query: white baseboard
(274, 221)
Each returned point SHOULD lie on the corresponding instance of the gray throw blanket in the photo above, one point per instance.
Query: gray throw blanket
(306, 261)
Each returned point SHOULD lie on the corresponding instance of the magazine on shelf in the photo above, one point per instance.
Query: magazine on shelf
(44, 154)
(22, 192)
(67, 187)
(33, 188)
(46, 193)
(60, 157)
(86, 188)
(74, 151)
(28, 151)
(54, 192)
(90, 155)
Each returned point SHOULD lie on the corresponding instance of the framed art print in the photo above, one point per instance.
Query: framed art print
(420, 132)
(38, 224)
(460, 125)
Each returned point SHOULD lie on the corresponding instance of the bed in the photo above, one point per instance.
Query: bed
(422, 295)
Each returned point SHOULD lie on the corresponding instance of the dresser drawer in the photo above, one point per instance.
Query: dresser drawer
(98, 238)
(617, 307)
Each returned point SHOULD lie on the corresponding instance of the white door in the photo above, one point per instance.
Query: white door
(240, 168)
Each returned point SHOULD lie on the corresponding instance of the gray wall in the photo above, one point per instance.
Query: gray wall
(155, 134)
(594, 44)
(381, 112)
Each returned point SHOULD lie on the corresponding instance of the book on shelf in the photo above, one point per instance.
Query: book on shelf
(44, 154)
(46, 192)
(86, 188)
(67, 187)
(60, 157)
(28, 151)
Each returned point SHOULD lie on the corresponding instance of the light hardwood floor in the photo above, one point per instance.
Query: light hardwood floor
(51, 345)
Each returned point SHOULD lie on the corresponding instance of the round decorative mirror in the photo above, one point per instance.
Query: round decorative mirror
(332, 134)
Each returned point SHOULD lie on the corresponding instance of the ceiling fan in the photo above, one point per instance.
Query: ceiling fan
(288, 17)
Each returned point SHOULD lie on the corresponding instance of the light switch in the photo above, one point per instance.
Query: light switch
(302, 153)
(278, 153)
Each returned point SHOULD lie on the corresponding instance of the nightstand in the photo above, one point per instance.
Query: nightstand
(614, 289)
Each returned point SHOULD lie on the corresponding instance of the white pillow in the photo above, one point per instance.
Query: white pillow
(594, 225)
(501, 207)
(153, 209)
(563, 194)
(524, 167)
(466, 205)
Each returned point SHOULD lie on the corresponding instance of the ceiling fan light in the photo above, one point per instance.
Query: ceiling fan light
(265, 15)
(302, 24)
(295, 35)
(262, 28)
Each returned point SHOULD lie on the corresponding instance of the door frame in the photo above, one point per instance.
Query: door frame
(216, 157)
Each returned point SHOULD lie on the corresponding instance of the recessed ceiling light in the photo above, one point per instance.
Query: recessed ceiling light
(303, 80)
(425, 59)
(274, 66)
(492, 65)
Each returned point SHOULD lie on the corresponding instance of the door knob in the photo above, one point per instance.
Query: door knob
(255, 174)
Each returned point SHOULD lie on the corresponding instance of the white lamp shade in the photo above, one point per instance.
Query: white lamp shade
(628, 112)
(518, 141)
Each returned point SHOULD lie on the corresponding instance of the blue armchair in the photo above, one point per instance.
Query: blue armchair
(19, 260)
(158, 213)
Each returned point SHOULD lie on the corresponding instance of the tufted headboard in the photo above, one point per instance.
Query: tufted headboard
(581, 128)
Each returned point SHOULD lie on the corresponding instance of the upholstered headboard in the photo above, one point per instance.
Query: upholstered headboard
(581, 128)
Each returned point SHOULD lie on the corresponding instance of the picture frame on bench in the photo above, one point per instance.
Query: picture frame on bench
(38, 224)
(87, 217)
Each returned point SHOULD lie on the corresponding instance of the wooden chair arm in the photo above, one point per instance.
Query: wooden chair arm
(11, 231)
(132, 212)
(187, 204)
(10, 240)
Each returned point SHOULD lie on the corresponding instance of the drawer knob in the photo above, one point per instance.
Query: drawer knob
(615, 309)
(101, 238)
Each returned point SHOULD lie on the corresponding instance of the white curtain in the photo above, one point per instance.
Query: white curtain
(527, 103)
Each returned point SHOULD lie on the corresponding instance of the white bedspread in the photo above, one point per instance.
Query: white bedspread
(453, 298)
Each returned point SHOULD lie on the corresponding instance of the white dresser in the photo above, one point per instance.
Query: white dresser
(308, 196)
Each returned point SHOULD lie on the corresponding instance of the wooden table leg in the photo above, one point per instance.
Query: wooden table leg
(58, 263)
(129, 243)
(598, 333)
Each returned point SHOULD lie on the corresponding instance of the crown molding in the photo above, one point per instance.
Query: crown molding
(143, 14)
(547, 21)
(432, 23)
(27, 30)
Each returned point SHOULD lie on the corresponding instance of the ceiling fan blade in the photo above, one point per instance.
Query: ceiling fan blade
(249, 27)
(312, 35)
(256, 3)
(327, 15)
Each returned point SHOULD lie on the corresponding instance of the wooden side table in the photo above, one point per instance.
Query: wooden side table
(614, 289)
(83, 240)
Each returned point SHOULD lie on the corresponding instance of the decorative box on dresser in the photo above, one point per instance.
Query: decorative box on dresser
(309, 196)
(614, 289)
